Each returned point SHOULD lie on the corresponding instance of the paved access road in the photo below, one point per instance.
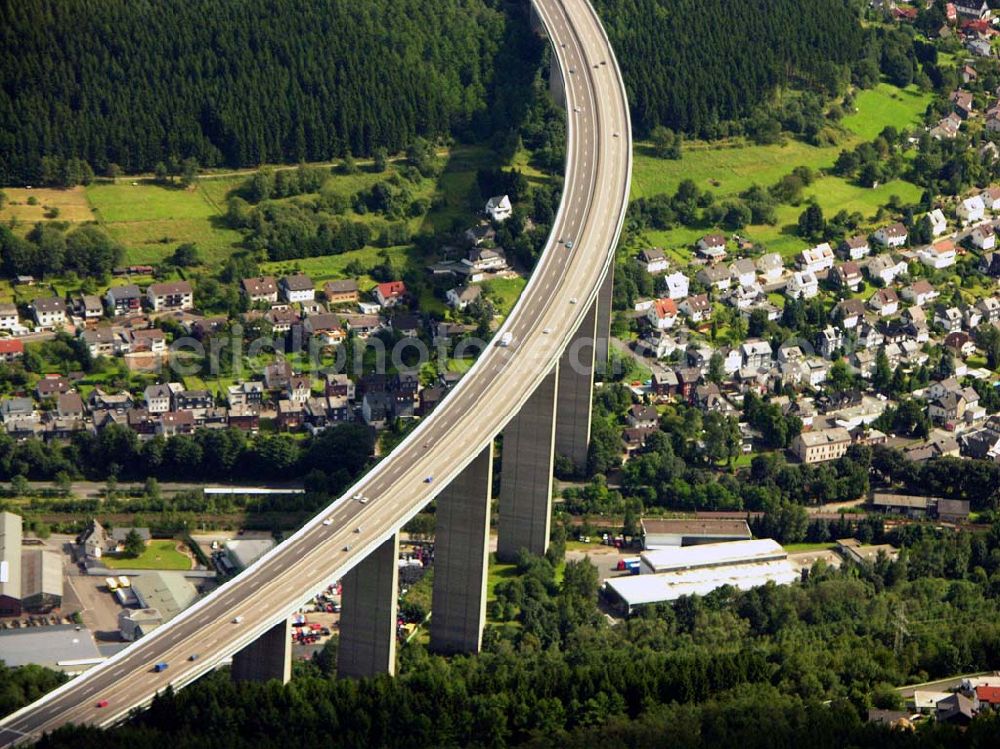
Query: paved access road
(560, 292)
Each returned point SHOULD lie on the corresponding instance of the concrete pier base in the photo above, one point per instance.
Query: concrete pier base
(368, 615)
(266, 658)
(526, 474)
(461, 554)
(576, 385)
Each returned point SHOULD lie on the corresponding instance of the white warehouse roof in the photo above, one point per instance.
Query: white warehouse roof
(637, 590)
(674, 559)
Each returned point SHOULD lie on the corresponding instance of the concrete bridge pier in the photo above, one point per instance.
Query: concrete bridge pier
(603, 336)
(576, 385)
(461, 557)
(266, 658)
(526, 473)
(368, 615)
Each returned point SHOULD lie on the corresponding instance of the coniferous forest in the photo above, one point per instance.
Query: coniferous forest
(696, 65)
(237, 83)
(135, 82)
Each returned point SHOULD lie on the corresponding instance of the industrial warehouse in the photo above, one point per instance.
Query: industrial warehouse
(670, 573)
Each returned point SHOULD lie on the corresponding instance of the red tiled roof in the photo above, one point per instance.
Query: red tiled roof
(391, 289)
(988, 694)
(8, 346)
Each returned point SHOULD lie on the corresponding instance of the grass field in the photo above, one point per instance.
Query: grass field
(324, 268)
(150, 220)
(504, 292)
(160, 554)
(72, 205)
(730, 167)
(886, 105)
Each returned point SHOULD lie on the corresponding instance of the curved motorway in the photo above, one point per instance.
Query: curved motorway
(598, 172)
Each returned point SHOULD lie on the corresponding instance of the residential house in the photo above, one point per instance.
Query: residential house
(891, 236)
(192, 400)
(9, 319)
(977, 10)
(745, 298)
(460, 298)
(482, 234)
(939, 255)
(663, 314)
(119, 402)
(175, 423)
(49, 312)
(714, 276)
(988, 309)
(960, 344)
(676, 285)
(298, 288)
(291, 415)
(101, 341)
(847, 275)
(172, 295)
(920, 292)
(850, 312)
(298, 389)
(246, 394)
(949, 318)
(277, 374)
(831, 340)
(243, 417)
(88, 307)
(158, 398)
(712, 247)
(391, 293)
(818, 259)
(362, 325)
(653, 261)
(821, 445)
(937, 222)
(743, 272)
(150, 340)
(51, 386)
(972, 210)
(991, 197)
(326, 328)
(376, 409)
(281, 319)
(70, 405)
(499, 208)
(983, 237)
(341, 291)
(642, 417)
(886, 269)
(803, 284)
(757, 354)
(696, 308)
(260, 289)
(962, 102)
(407, 325)
(11, 349)
(947, 127)
(124, 300)
(770, 267)
(855, 248)
(989, 264)
(885, 302)
(481, 260)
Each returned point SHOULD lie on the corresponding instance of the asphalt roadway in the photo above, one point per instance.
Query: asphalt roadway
(561, 289)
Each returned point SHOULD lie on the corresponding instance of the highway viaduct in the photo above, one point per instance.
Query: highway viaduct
(536, 392)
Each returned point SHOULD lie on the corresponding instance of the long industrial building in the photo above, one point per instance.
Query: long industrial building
(669, 574)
